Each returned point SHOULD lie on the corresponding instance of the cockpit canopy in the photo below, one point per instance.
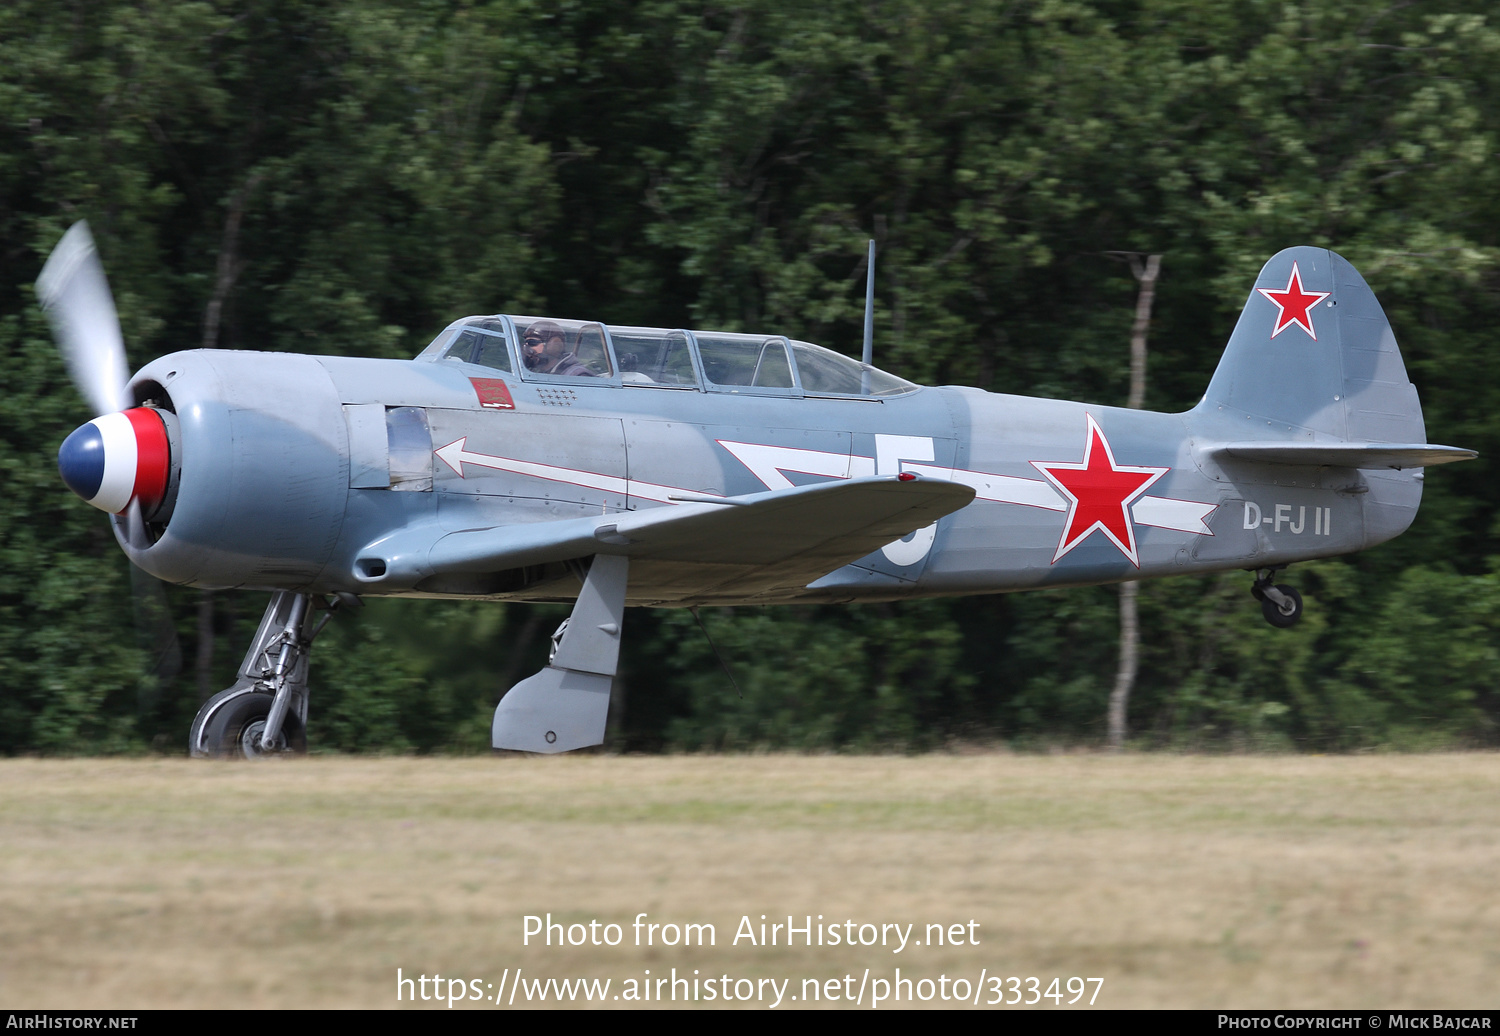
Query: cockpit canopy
(545, 348)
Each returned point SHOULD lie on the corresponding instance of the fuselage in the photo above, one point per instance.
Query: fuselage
(289, 465)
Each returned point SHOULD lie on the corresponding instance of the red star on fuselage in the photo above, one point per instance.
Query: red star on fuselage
(1295, 304)
(1099, 493)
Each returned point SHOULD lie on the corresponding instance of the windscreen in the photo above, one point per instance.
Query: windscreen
(482, 340)
(825, 371)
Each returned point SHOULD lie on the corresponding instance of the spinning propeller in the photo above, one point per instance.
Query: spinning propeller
(121, 460)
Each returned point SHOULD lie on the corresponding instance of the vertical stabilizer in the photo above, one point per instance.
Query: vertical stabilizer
(1313, 357)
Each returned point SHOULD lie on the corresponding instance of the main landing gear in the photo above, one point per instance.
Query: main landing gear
(565, 706)
(265, 712)
(1281, 605)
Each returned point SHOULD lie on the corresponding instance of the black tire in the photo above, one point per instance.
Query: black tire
(195, 733)
(233, 731)
(1274, 612)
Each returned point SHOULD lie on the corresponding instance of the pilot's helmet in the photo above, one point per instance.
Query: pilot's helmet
(543, 331)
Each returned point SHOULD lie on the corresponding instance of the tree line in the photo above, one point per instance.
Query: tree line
(338, 177)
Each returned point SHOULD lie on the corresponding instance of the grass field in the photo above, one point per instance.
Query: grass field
(1362, 881)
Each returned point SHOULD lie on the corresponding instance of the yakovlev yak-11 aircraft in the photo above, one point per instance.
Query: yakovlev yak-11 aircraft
(533, 459)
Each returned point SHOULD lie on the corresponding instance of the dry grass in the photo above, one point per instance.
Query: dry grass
(1183, 881)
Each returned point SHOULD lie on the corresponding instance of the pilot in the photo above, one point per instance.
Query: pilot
(545, 350)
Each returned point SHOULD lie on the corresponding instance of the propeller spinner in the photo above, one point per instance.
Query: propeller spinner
(118, 458)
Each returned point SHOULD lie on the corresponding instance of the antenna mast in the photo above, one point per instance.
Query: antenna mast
(867, 357)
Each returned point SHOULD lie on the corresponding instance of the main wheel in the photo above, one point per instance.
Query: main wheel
(1282, 615)
(234, 730)
(196, 746)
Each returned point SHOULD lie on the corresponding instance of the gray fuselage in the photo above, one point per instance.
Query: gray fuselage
(290, 465)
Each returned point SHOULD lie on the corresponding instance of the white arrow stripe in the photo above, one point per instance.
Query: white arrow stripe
(455, 456)
(1005, 489)
(1157, 511)
(768, 462)
(1166, 513)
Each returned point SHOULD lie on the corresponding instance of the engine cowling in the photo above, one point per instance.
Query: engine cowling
(256, 480)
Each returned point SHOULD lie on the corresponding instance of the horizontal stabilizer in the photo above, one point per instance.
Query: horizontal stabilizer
(1345, 454)
(806, 531)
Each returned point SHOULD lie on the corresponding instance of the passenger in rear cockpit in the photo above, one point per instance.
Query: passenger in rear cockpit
(544, 347)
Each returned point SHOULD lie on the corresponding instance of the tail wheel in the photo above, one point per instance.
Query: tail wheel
(1284, 614)
(234, 731)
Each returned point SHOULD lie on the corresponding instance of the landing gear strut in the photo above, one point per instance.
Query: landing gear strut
(265, 712)
(1281, 605)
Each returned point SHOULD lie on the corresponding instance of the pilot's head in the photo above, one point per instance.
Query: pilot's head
(543, 345)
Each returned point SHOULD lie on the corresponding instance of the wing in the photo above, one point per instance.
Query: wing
(1346, 454)
(754, 543)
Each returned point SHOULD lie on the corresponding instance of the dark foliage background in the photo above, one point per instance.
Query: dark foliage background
(345, 177)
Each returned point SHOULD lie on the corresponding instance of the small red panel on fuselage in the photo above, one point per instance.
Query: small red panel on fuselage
(493, 393)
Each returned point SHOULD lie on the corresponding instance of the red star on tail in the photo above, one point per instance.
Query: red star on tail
(1099, 493)
(1295, 304)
